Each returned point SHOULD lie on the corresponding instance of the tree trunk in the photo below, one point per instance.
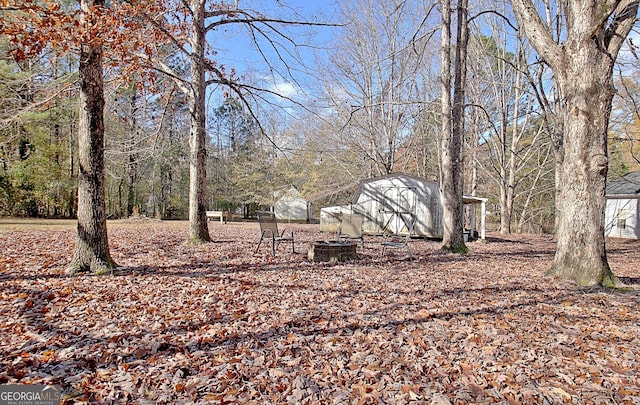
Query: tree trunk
(580, 254)
(505, 209)
(92, 247)
(452, 162)
(132, 168)
(583, 67)
(445, 98)
(198, 230)
(513, 155)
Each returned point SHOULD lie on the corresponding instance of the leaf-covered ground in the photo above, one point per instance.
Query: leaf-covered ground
(218, 323)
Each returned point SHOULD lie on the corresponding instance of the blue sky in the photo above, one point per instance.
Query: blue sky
(235, 50)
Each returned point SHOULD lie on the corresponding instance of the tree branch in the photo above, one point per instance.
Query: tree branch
(182, 84)
(496, 13)
(621, 25)
(250, 19)
(541, 39)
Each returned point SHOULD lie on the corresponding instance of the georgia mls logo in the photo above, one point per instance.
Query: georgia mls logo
(29, 395)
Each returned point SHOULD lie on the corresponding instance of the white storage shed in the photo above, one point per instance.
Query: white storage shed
(291, 206)
(383, 200)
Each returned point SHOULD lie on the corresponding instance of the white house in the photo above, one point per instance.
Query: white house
(290, 206)
(622, 208)
(383, 200)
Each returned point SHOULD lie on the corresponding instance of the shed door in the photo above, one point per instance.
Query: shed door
(397, 200)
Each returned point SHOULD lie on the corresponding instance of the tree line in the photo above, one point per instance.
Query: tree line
(490, 109)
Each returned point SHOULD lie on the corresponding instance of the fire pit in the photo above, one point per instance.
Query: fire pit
(332, 251)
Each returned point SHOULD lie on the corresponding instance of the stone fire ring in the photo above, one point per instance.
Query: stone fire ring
(332, 251)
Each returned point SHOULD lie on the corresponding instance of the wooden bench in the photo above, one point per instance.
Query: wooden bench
(223, 215)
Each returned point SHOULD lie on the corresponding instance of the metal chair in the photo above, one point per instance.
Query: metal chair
(399, 236)
(269, 231)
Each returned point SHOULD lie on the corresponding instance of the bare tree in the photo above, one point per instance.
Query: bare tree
(373, 84)
(452, 179)
(624, 128)
(187, 29)
(502, 97)
(582, 65)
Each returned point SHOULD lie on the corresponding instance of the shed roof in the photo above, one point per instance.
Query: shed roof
(397, 175)
(289, 191)
(387, 177)
(466, 199)
(628, 184)
(471, 199)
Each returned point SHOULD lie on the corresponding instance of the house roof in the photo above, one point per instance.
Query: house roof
(628, 184)
(289, 192)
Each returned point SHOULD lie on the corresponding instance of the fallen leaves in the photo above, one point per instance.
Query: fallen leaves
(217, 323)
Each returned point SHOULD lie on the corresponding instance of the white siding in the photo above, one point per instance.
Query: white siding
(378, 200)
(330, 217)
(621, 218)
(291, 207)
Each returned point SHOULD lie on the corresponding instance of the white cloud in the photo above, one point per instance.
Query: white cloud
(284, 89)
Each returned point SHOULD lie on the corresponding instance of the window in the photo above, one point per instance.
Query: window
(622, 219)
